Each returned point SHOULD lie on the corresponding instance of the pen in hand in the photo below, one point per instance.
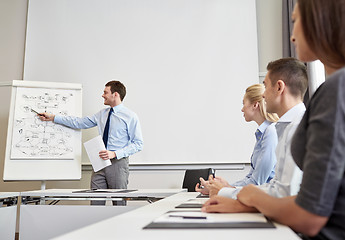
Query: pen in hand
(39, 114)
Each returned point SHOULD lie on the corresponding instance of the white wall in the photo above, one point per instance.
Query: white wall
(12, 27)
(270, 41)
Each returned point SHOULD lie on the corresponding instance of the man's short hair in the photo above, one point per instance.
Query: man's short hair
(117, 86)
(292, 72)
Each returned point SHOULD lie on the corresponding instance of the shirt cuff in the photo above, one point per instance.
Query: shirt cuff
(229, 192)
(57, 119)
(119, 154)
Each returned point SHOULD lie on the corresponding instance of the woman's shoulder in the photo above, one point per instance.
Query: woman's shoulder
(271, 130)
(336, 79)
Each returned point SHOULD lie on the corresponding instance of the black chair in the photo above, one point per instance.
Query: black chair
(191, 177)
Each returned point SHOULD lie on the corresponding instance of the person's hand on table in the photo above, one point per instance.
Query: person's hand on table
(215, 184)
(248, 193)
(203, 187)
(219, 204)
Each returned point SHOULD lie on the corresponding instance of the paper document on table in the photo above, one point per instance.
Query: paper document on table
(201, 217)
(93, 147)
(197, 201)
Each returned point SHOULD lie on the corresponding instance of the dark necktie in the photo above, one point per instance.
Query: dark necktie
(106, 129)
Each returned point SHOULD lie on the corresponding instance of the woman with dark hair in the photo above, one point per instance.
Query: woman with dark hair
(318, 146)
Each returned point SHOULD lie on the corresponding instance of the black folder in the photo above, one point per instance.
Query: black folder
(202, 196)
(169, 225)
(207, 225)
(189, 205)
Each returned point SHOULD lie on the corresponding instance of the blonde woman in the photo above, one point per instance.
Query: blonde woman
(263, 159)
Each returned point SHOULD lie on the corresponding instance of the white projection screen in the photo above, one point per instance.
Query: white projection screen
(185, 63)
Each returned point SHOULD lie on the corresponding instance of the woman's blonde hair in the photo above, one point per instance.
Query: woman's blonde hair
(254, 94)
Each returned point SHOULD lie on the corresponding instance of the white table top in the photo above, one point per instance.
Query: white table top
(130, 226)
(8, 194)
(157, 193)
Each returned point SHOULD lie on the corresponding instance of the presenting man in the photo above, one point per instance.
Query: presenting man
(121, 133)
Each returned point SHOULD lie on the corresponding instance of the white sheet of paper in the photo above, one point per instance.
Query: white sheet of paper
(197, 201)
(93, 147)
(183, 216)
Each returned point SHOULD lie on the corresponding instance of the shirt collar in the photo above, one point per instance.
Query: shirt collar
(264, 125)
(118, 108)
(261, 129)
(290, 115)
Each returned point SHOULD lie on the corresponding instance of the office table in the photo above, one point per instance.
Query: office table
(42, 218)
(8, 214)
(130, 226)
(149, 195)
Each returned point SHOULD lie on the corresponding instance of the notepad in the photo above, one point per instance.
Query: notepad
(193, 216)
(198, 219)
(93, 147)
(196, 201)
(182, 216)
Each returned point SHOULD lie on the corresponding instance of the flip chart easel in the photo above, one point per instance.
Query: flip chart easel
(37, 150)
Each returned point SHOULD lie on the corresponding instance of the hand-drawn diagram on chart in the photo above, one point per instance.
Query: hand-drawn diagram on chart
(36, 139)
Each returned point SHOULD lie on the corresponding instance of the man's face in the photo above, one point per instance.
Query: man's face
(109, 98)
(269, 95)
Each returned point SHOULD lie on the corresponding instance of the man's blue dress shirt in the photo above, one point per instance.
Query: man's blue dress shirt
(125, 137)
(263, 159)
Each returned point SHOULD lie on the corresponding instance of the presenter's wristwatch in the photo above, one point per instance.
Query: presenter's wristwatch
(114, 158)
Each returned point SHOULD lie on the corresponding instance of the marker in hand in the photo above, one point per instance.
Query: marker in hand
(39, 114)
